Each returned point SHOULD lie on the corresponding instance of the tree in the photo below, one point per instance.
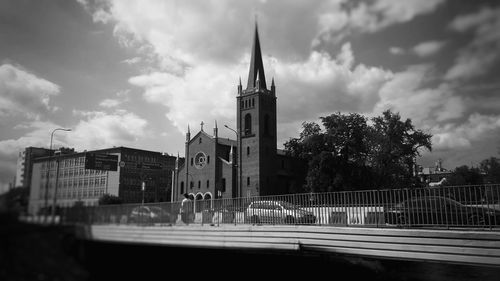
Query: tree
(464, 175)
(395, 145)
(108, 199)
(349, 154)
(491, 167)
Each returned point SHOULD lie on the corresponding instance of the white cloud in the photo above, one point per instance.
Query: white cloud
(396, 51)
(428, 48)
(368, 16)
(205, 93)
(109, 103)
(23, 93)
(461, 136)
(406, 93)
(122, 96)
(101, 130)
(481, 53)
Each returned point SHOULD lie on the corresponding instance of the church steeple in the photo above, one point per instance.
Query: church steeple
(256, 66)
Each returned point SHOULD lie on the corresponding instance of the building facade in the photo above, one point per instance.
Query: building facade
(251, 165)
(66, 176)
(25, 163)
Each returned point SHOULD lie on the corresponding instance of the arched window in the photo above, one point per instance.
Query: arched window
(248, 150)
(208, 183)
(182, 187)
(253, 102)
(199, 184)
(248, 124)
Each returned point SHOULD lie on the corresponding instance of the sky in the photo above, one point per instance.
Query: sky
(137, 73)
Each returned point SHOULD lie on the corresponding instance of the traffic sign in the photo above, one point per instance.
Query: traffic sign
(106, 162)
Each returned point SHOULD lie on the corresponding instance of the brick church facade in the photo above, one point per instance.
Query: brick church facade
(251, 165)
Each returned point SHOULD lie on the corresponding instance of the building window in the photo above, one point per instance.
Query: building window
(248, 181)
(199, 184)
(208, 159)
(199, 141)
(253, 102)
(248, 150)
(182, 187)
(208, 183)
(248, 124)
(191, 184)
(191, 161)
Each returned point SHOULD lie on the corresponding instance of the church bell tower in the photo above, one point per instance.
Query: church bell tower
(256, 123)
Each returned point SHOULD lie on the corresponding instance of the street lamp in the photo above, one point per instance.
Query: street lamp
(47, 177)
(238, 159)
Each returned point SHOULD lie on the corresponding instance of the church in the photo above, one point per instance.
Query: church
(249, 166)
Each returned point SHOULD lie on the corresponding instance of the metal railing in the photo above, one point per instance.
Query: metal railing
(449, 207)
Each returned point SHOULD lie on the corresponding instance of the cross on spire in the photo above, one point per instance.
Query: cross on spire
(201, 124)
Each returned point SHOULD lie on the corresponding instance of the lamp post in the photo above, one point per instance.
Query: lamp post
(238, 161)
(47, 176)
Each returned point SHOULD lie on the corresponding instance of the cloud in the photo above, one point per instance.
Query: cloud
(23, 93)
(122, 96)
(479, 56)
(98, 130)
(345, 17)
(109, 103)
(204, 93)
(461, 136)
(407, 93)
(396, 51)
(428, 48)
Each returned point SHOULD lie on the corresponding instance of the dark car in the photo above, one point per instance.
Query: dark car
(150, 214)
(437, 210)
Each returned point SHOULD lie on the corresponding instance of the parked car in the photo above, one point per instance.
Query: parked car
(278, 212)
(150, 214)
(437, 210)
(223, 215)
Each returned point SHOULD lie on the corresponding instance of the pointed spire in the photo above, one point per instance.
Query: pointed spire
(256, 65)
(273, 87)
(188, 135)
(216, 130)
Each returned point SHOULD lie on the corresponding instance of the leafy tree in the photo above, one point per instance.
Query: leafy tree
(464, 175)
(491, 167)
(349, 154)
(108, 199)
(395, 145)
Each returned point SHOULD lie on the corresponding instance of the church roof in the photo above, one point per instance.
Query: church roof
(227, 142)
(256, 65)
